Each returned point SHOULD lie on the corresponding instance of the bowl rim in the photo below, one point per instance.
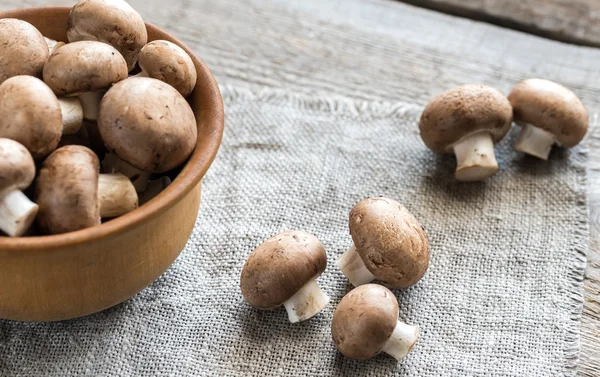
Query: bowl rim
(189, 177)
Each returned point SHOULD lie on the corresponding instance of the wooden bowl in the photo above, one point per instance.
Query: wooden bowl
(71, 275)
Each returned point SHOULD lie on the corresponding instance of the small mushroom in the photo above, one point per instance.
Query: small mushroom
(72, 195)
(33, 116)
(467, 121)
(23, 50)
(549, 114)
(84, 69)
(389, 245)
(283, 271)
(154, 135)
(169, 63)
(366, 323)
(110, 21)
(17, 171)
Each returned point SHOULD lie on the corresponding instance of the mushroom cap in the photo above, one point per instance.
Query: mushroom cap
(110, 21)
(280, 266)
(364, 321)
(168, 62)
(30, 114)
(82, 67)
(390, 241)
(551, 107)
(17, 169)
(462, 111)
(67, 190)
(148, 124)
(23, 50)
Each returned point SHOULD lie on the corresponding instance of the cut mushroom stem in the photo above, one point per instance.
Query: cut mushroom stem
(402, 340)
(72, 114)
(535, 141)
(113, 164)
(306, 303)
(17, 213)
(475, 157)
(354, 268)
(116, 195)
(90, 102)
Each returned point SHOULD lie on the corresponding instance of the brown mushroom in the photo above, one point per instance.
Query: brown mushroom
(72, 195)
(17, 171)
(169, 63)
(33, 116)
(366, 323)
(23, 50)
(152, 135)
(389, 245)
(549, 114)
(467, 121)
(283, 271)
(110, 21)
(84, 69)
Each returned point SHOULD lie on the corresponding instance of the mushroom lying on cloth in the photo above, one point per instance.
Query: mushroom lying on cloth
(549, 114)
(467, 121)
(366, 323)
(23, 50)
(17, 171)
(72, 195)
(147, 124)
(33, 116)
(169, 63)
(283, 271)
(389, 245)
(110, 21)
(84, 69)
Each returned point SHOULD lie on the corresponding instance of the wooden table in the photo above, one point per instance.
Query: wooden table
(419, 53)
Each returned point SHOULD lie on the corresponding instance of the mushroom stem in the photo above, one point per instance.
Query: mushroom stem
(90, 102)
(475, 157)
(141, 74)
(402, 340)
(354, 268)
(72, 114)
(17, 213)
(116, 195)
(535, 141)
(113, 164)
(306, 303)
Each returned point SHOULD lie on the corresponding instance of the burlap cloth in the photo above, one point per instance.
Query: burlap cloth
(502, 296)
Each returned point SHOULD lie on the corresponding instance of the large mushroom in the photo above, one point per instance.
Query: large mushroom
(366, 323)
(84, 69)
(389, 245)
(110, 21)
(23, 50)
(17, 171)
(283, 271)
(467, 121)
(152, 136)
(33, 116)
(169, 63)
(549, 114)
(72, 195)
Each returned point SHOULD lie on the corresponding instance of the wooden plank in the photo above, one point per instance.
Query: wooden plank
(573, 21)
(388, 51)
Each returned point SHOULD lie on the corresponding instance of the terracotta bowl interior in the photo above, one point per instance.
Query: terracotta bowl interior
(207, 104)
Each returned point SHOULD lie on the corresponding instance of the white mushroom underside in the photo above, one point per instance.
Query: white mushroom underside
(402, 341)
(354, 268)
(475, 158)
(534, 141)
(17, 213)
(90, 102)
(306, 303)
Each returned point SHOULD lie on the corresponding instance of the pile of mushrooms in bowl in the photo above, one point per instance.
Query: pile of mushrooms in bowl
(94, 125)
(107, 155)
